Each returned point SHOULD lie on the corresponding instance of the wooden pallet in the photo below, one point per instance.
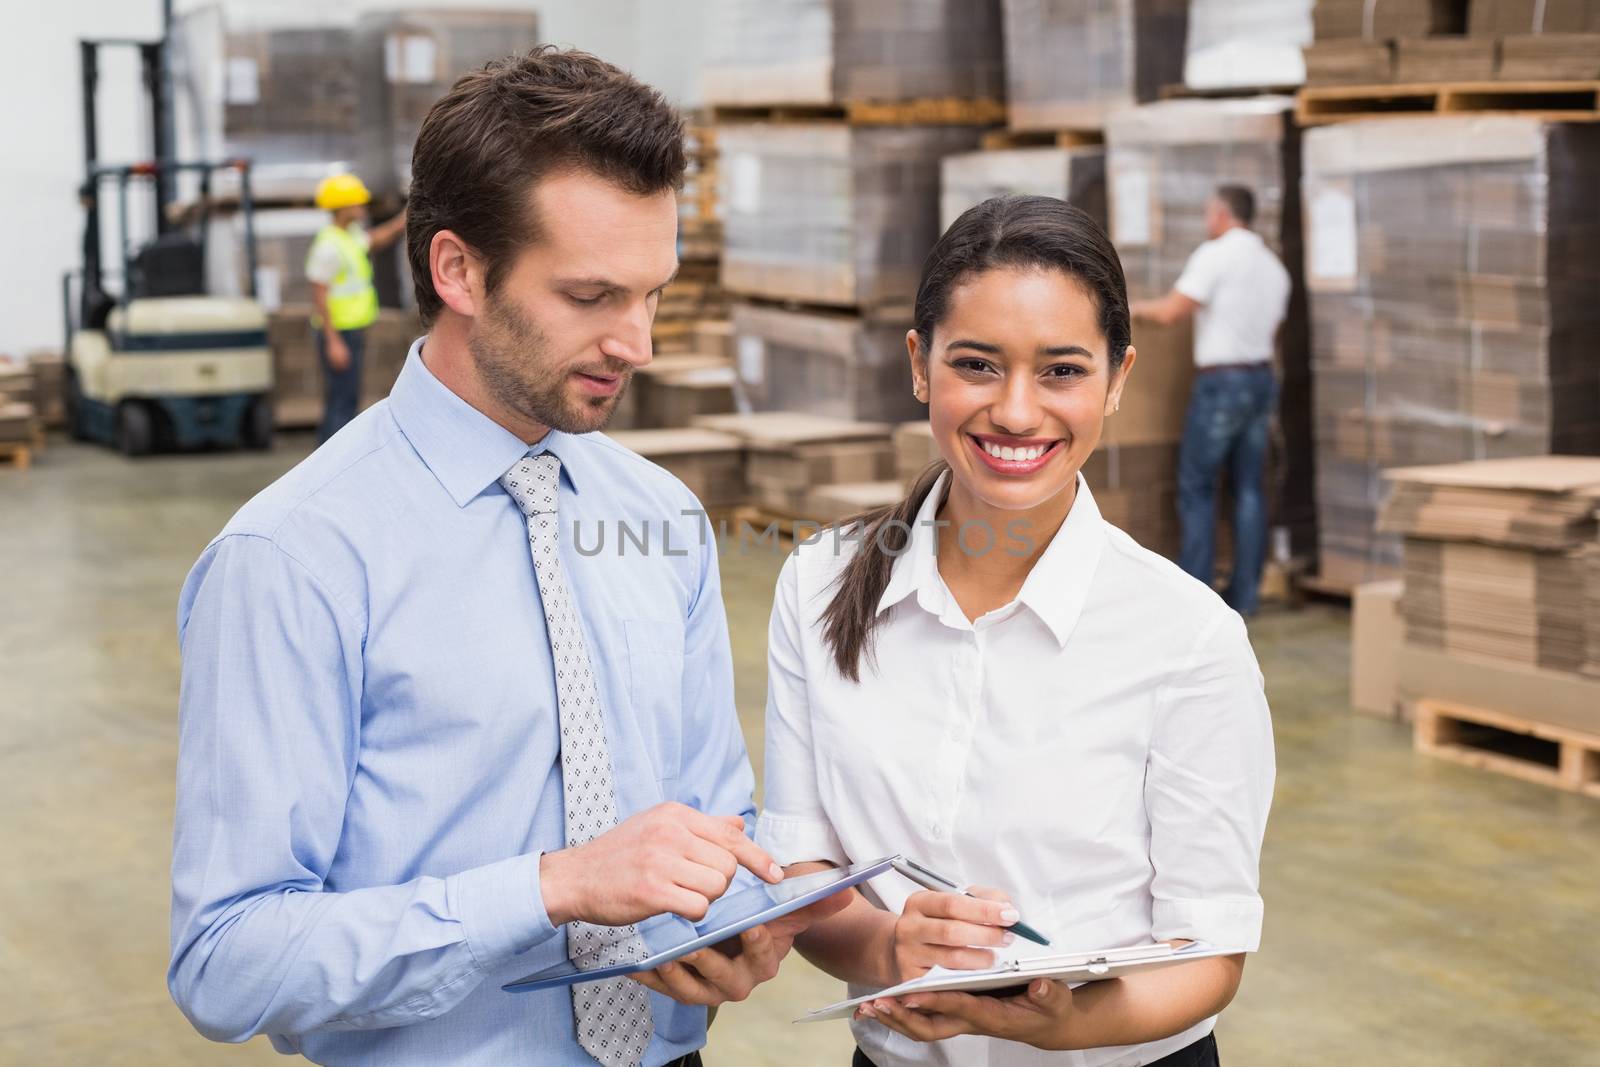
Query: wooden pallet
(1003, 140)
(1554, 101)
(943, 111)
(1509, 745)
(17, 455)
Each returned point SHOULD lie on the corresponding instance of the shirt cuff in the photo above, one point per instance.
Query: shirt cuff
(1225, 924)
(501, 908)
(790, 839)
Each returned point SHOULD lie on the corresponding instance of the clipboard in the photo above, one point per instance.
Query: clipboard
(669, 937)
(1091, 966)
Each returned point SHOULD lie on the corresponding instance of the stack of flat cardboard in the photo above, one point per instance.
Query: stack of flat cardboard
(1550, 56)
(836, 51)
(1361, 42)
(822, 362)
(833, 503)
(914, 449)
(17, 381)
(1452, 305)
(1445, 59)
(673, 389)
(1504, 18)
(1072, 65)
(789, 454)
(1498, 555)
(49, 396)
(16, 422)
(1076, 175)
(709, 462)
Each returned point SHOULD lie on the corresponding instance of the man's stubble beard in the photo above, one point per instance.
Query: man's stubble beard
(513, 360)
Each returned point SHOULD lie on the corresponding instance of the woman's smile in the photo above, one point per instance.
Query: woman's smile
(1015, 456)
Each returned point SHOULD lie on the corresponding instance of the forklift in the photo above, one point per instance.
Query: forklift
(160, 363)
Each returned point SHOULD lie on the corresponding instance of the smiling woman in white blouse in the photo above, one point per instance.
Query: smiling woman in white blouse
(996, 682)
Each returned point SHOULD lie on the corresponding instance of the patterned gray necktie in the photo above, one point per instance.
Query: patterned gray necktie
(612, 1016)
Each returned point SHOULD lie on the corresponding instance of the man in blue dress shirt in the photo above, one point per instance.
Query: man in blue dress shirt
(427, 744)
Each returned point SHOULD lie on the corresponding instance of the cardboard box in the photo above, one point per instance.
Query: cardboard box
(1376, 634)
(1556, 698)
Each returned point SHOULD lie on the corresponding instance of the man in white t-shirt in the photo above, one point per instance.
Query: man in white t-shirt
(1238, 293)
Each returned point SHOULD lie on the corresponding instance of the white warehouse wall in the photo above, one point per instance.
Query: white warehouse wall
(41, 129)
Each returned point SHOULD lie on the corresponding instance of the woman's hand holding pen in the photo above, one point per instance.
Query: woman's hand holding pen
(950, 930)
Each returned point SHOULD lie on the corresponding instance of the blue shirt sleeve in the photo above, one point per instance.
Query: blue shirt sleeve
(269, 720)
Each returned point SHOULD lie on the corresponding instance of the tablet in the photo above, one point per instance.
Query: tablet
(668, 937)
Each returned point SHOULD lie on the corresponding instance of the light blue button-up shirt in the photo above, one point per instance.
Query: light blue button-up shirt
(369, 762)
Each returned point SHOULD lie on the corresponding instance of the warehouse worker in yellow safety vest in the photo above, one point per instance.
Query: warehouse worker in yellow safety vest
(341, 290)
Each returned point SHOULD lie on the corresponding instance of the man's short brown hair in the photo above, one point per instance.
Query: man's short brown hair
(502, 128)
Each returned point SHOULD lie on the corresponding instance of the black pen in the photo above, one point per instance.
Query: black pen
(932, 880)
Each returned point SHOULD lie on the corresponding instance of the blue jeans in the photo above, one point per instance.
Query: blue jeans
(1229, 424)
(341, 390)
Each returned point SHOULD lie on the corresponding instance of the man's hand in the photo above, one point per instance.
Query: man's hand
(670, 858)
(731, 970)
(338, 351)
(1041, 1017)
(950, 930)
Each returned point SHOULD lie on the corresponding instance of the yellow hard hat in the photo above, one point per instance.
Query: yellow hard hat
(341, 190)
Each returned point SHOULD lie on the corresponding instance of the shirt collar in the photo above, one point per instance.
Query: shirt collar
(464, 448)
(1056, 588)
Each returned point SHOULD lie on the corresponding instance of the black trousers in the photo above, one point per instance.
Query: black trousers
(1202, 1053)
(691, 1060)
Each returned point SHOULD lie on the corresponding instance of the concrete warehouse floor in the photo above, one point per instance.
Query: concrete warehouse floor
(1418, 912)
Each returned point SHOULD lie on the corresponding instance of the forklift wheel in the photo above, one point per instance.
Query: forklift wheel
(258, 423)
(135, 428)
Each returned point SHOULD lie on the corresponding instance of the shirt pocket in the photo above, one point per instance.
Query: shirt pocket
(655, 690)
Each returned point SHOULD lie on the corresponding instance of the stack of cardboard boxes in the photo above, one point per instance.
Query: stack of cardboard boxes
(788, 455)
(827, 220)
(1452, 304)
(1069, 66)
(1496, 613)
(1359, 42)
(1541, 40)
